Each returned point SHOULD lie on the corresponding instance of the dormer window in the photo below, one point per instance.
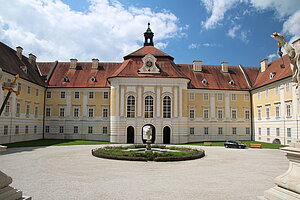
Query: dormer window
(272, 74)
(24, 68)
(66, 79)
(231, 82)
(93, 79)
(204, 82)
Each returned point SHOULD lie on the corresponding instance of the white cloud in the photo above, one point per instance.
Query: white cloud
(283, 9)
(197, 45)
(232, 32)
(271, 56)
(52, 30)
(161, 45)
(193, 46)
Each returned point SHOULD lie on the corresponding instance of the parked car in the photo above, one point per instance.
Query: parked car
(234, 144)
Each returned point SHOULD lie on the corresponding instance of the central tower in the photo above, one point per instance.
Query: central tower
(148, 37)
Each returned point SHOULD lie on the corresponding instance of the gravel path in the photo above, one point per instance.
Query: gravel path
(71, 172)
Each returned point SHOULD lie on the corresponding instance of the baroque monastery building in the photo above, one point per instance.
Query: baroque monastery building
(114, 101)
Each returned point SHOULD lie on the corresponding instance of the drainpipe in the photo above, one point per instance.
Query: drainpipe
(44, 113)
(251, 118)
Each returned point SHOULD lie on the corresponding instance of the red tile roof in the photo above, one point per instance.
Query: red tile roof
(148, 50)
(263, 78)
(10, 63)
(216, 79)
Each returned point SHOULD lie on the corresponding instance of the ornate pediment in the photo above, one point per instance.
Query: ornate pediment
(149, 65)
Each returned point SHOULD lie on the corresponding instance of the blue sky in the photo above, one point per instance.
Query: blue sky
(237, 31)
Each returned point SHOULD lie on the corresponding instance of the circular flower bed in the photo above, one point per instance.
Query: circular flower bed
(160, 153)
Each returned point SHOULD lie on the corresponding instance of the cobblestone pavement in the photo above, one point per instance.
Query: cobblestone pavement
(71, 172)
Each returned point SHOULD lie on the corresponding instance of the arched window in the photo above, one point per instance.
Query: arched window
(149, 107)
(167, 107)
(130, 107)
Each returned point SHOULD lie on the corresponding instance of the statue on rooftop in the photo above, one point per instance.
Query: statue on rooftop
(294, 55)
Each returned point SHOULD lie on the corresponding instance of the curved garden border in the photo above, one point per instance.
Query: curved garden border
(200, 154)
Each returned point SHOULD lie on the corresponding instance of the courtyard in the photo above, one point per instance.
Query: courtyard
(71, 172)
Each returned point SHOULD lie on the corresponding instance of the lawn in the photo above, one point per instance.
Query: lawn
(264, 145)
(52, 142)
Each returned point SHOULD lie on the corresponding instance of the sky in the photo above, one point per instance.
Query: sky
(236, 31)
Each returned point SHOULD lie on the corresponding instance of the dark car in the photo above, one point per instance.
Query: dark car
(234, 144)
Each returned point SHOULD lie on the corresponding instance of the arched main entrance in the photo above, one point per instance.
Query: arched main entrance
(144, 134)
(276, 141)
(130, 135)
(167, 135)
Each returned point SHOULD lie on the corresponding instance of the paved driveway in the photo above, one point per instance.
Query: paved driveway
(71, 172)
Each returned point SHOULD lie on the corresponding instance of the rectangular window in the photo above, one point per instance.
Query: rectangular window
(289, 141)
(259, 113)
(61, 112)
(76, 112)
(47, 129)
(268, 131)
(205, 130)
(220, 114)
(76, 95)
(205, 96)
(36, 111)
(267, 93)
(277, 111)
(105, 112)
(104, 130)
(267, 112)
(48, 94)
(268, 139)
(27, 110)
(75, 129)
(192, 96)
(91, 112)
(35, 129)
(131, 106)
(149, 107)
(205, 113)
(36, 92)
(61, 129)
(220, 97)
(192, 130)
(17, 129)
(247, 114)
(192, 113)
(105, 95)
(19, 87)
(26, 129)
(247, 130)
(7, 107)
(277, 132)
(287, 87)
(233, 114)
(234, 130)
(288, 110)
(62, 94)
(91, 95)
(247, 97)
(90, 129)
(289, 132)
(220, 130)
(233, 97)
(18, 108)
(5, 131)
(259, 131)
(48, 112)
(28, 89)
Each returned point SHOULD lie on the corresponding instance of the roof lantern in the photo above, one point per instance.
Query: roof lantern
(148, 37)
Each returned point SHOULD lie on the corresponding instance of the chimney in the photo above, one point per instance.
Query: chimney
(73, 63)
(224, 66)
(95, 63)
(197, 65)
(32, 59)
(19, 52)
(263, 65)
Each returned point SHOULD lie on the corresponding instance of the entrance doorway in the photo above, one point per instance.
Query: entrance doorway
(144, 137)
(130, 135)
(167, 135)
(276, 141)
